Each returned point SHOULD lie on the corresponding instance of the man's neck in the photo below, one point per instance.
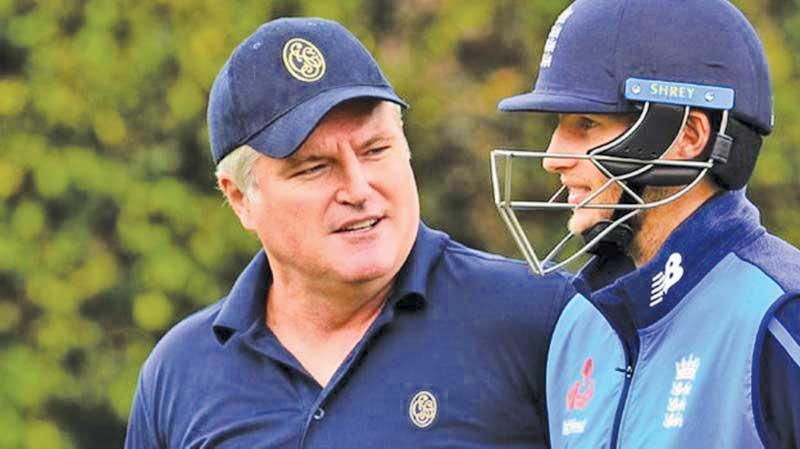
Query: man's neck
(320, 325)
(324, 309)
(657, 224)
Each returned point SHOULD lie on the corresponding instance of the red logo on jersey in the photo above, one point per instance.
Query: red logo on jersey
(581, 392)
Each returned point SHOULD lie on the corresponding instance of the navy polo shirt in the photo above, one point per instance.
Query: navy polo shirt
(455, 359)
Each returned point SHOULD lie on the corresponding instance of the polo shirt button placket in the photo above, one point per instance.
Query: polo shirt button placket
(319, 414)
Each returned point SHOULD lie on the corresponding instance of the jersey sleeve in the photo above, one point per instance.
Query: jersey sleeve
(779, 377)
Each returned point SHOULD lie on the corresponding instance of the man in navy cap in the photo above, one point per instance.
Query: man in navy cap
(690, 337)
(356, 326)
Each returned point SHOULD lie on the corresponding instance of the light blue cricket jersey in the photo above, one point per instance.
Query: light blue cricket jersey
(699, 312)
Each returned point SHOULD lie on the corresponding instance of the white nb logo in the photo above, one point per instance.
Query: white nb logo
(673, 272)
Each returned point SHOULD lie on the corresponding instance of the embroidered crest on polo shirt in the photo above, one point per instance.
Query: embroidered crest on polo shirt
(664, 280)
(578, 397)
(423, 409)
(552, 38)
(303, 60)
(685, 374)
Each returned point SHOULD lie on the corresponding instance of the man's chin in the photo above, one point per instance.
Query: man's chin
(357, 273)
(578, 223)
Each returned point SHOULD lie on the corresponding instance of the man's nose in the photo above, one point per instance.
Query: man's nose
(558, 145)
(355, 185)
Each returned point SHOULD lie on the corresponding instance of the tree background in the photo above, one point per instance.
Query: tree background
(111, 229)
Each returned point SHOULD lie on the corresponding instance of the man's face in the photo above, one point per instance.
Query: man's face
(576, 134)
(344, 207)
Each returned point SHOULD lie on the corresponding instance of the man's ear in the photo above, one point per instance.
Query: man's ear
(694, 137)
(238, 199)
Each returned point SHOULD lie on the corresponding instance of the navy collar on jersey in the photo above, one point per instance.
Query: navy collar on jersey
(720, 226)
(245, 304)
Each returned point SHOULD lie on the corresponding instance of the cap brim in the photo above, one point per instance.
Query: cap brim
(286, 134)
(550, 102)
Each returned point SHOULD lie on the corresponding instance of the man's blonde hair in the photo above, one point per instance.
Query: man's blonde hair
(238, 165)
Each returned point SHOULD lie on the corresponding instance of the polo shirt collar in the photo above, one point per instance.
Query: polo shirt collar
(411, 284)
(246, 301)
(693, 249)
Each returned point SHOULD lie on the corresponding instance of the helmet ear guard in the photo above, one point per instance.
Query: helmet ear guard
(734, 154)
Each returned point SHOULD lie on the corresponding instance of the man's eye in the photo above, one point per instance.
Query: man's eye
(587, 123)
(377, 151)
(311, 170)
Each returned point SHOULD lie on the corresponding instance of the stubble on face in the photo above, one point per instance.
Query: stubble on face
(650, 226)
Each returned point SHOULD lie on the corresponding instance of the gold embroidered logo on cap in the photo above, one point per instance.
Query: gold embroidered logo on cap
(422, 409)
(303, 60)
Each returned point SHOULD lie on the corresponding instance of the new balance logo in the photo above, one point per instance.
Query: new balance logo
(663, 281)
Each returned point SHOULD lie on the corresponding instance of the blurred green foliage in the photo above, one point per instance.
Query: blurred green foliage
(111, 229)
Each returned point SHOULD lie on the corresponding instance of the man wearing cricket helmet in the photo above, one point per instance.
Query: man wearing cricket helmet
(690, 337)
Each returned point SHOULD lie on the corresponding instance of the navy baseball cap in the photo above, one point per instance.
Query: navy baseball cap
(595, 46)
(279, 83)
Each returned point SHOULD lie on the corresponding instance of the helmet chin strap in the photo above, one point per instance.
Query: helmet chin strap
(617, 241)
(614, 243)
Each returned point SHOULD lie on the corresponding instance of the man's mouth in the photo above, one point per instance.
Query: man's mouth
(577, 194)
(360, 226)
